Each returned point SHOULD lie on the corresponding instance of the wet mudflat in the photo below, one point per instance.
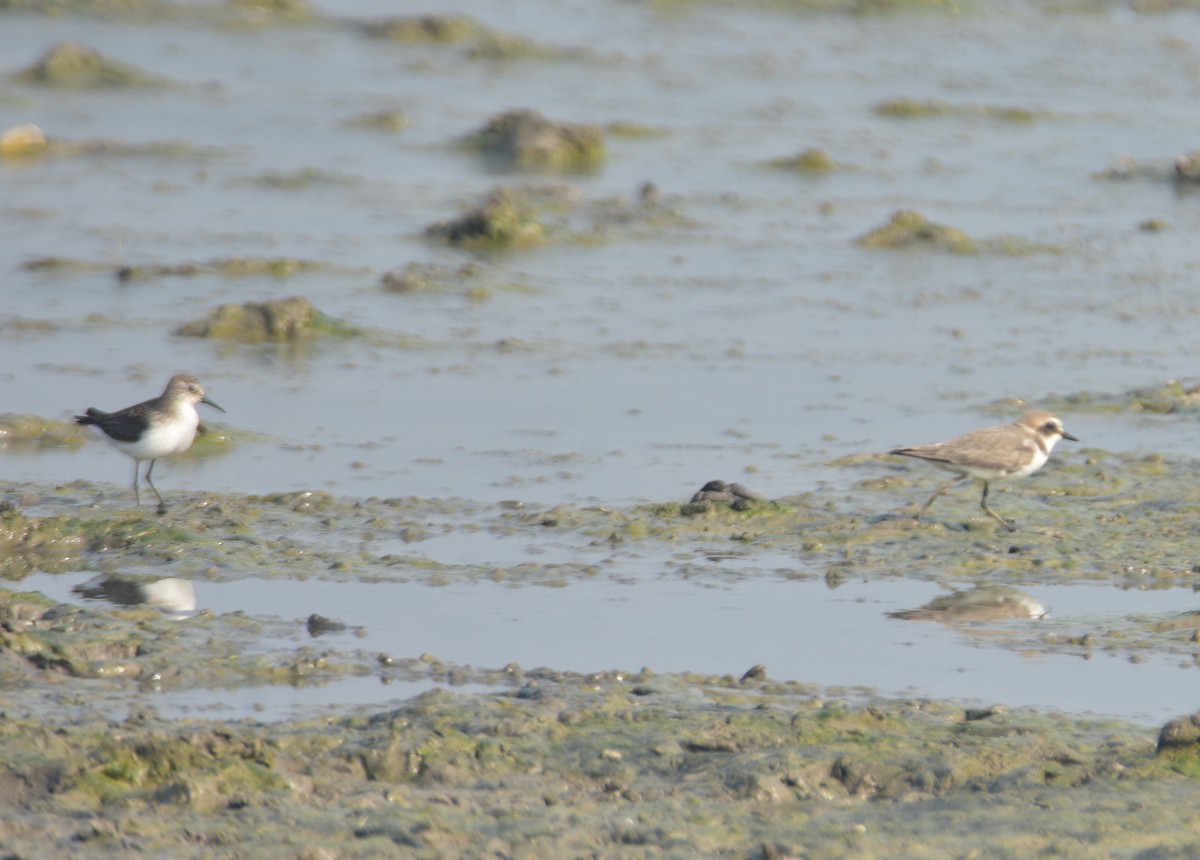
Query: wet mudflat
(637, 766)
(116, 737)
(489, 291)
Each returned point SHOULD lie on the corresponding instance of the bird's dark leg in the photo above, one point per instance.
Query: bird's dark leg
(945, 486)
(987, 510)
(162, 506)
(137, 497)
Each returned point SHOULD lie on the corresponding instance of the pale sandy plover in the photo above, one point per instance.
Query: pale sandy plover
(1006, 451)
(158, 427)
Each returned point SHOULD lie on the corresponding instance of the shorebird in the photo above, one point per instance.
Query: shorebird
(158, 427)
(1005, 451)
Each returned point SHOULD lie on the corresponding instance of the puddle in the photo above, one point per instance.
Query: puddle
(799, 629)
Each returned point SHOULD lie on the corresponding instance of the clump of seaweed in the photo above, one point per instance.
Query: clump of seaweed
(502, 47)
(277, 321)
(906, 108)
(74, 66)
(908, 228)
(34, 432)
(482, 42)
(271, 11)
(298, 180)
(229, 267)
(424, 29)
(28, 140)
(421, 277)
(505, 219)
(1167, 398)
(526, 139)
(811, 160)
(384, 120)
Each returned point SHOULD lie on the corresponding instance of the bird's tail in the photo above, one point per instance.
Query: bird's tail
(93, 416)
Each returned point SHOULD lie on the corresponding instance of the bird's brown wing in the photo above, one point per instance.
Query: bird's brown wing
(1004, 448)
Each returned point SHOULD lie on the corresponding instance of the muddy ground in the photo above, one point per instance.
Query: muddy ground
(548, 763)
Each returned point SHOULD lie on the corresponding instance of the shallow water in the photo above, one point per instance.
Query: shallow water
(752, 341)
(800, 630)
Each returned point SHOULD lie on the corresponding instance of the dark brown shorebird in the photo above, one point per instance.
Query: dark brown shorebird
(159, 427)
(993, 453)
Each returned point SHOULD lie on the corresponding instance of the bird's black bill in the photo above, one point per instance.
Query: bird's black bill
(1065, 434)
(219, 409)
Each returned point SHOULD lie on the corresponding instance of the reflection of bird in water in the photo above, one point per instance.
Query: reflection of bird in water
(170, 593)
(982, 603)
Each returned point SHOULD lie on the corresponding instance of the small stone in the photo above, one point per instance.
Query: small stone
(972, 714)
(757, 672)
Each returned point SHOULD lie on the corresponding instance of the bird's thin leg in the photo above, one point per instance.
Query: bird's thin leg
(162, 506)
(945, 486)
(137, 497)
(987, 510)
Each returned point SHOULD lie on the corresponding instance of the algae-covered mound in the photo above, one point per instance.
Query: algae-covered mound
(808, 161)
(229, 267)
(53, 544)
(435, 29)
(482, 42)
(72, 65)
(1166, 398)
(908, 229)
(50, 544)
(299, 180)
(419, 277)
(263, 11)
(28, 543)
(526, 139)
(506, 218)
(63, 265)
(384, 120)
(27, 141)
(33, 431)
(501, 47)
(1180, 735)
(276, 320)
(905, 108)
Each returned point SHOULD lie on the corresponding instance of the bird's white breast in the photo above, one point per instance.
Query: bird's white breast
(164, 438)
(1038, 460)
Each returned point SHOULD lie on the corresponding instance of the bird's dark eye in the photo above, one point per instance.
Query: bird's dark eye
(1049, 427)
